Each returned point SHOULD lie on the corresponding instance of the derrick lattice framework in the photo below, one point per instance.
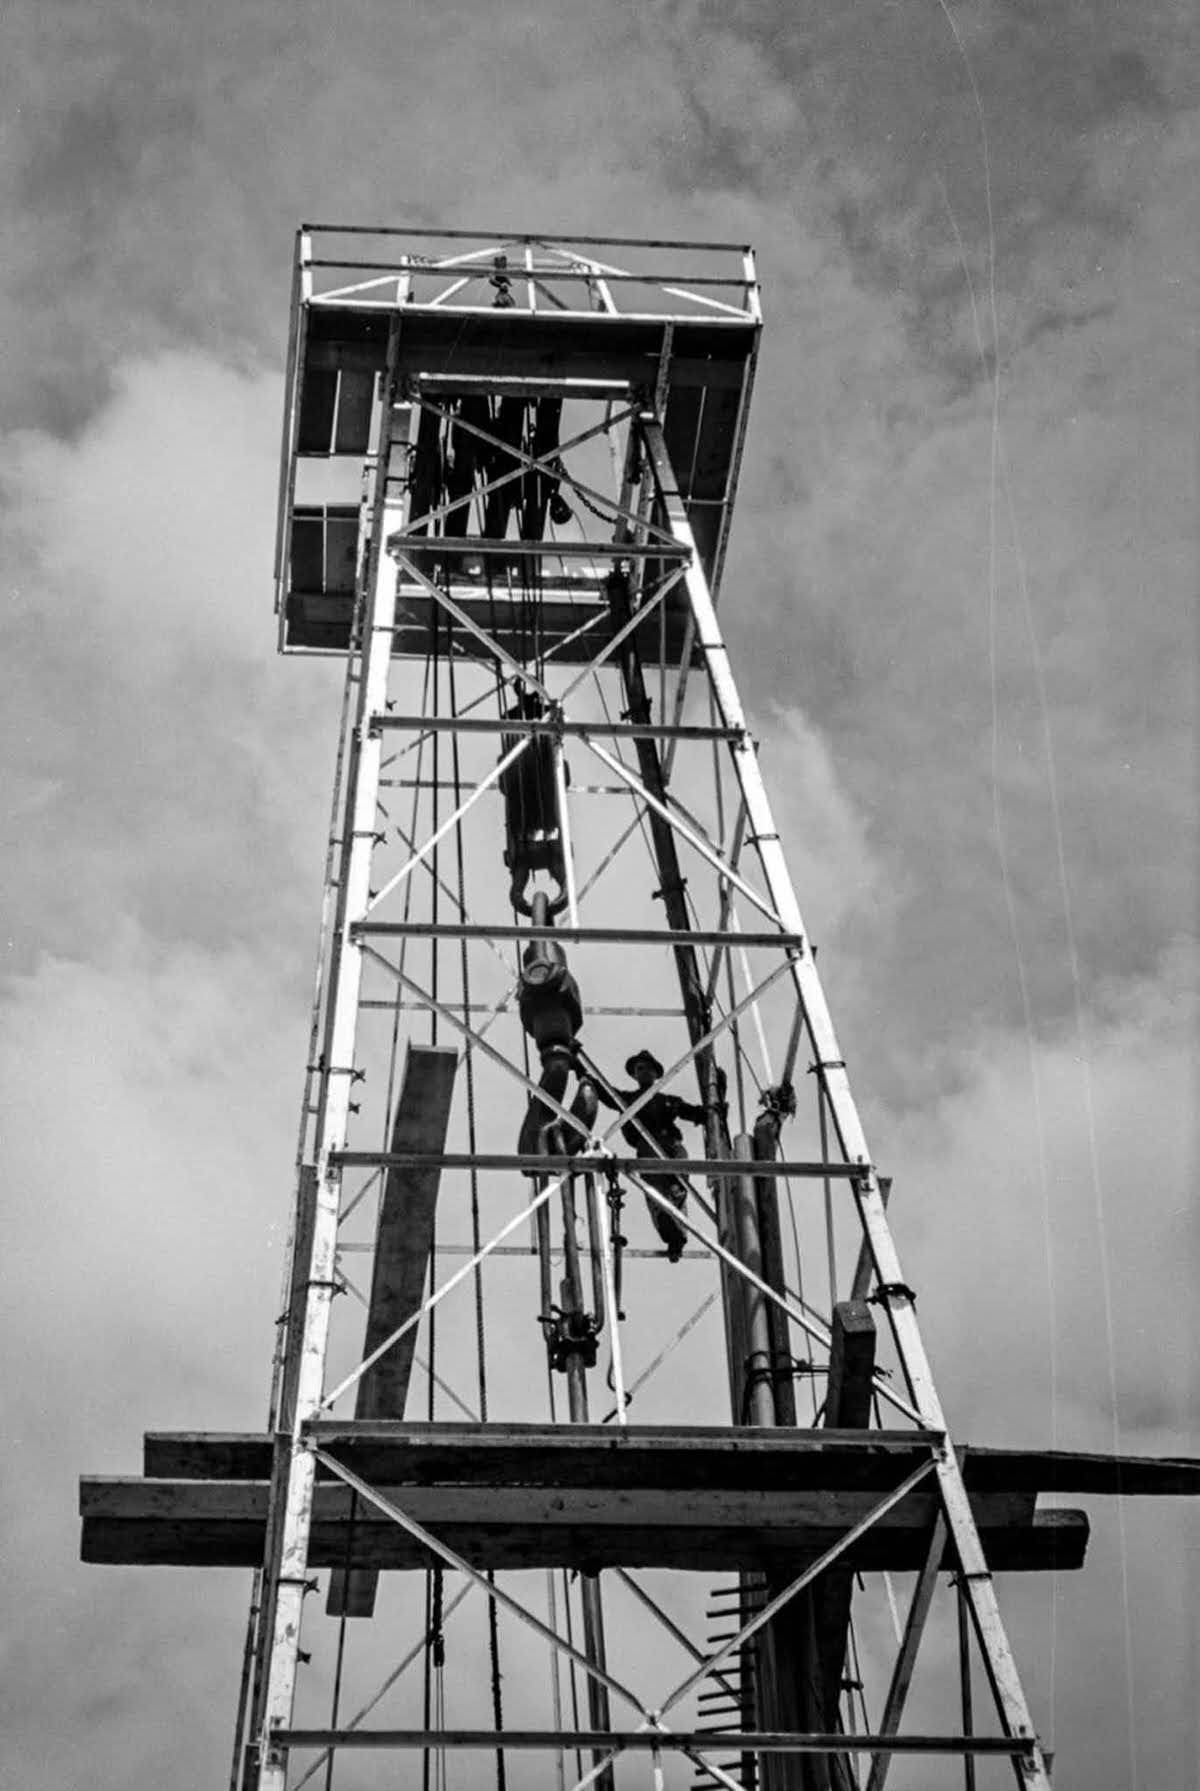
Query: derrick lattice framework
(590, 1325)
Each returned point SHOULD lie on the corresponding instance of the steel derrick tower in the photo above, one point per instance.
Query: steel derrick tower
(592, 1321)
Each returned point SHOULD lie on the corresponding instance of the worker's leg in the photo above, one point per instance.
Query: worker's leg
(672, 1188)
(556, 1069)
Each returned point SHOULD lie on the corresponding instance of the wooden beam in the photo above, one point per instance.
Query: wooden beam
(851, 1366)
(767, 1513)
(660, 1455)
(847, 1405)
(1055, 1540)
(635, 1455)
(306, 1202)
(403, 1242)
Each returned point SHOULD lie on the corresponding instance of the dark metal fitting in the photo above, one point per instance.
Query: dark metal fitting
(892, 1290)
(572, 1334)
(779, 1101)
(826, 1063)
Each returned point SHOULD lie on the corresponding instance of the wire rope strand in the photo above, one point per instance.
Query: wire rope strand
(432, 1590)
(572, 1675)
(476, 1228)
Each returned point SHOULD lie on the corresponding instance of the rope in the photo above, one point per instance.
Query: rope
(432, 1576)
(335, 1702)
(476, 1230)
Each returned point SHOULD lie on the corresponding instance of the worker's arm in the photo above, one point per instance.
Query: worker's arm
(606, 1096)
(698, 1114)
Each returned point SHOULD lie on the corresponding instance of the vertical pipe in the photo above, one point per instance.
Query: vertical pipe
(541, 1220)
(596, 1251)
(610, 1312)
(572, 1300)
(590, 1603)
(964, 1674)
(830, 1246)
(757, 1399)
(564, 828)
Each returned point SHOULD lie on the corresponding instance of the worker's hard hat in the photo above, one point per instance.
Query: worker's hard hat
(646, 1057)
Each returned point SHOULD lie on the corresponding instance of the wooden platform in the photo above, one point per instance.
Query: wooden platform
(339, 349)
(523, 1496)
(573, 622)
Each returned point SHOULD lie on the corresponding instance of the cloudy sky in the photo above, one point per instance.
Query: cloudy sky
(966, 630)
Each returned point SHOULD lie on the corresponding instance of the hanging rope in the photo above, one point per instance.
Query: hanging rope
(432, 1577)
(476, 1227)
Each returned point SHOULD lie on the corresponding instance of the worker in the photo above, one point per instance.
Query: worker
(533, 832)
(552, 1013)
(658, 1119)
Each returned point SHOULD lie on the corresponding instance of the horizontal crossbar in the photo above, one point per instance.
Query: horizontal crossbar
(552, 550)
(455, 929)
(513, 386)
(650, 1741)
(601, 730)
(531, 1164)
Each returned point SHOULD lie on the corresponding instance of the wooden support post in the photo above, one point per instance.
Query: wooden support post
(758, 1395)
(403, 1241)
(847, 1407)
(786, 1661)
(302, 1236)
(770, 1243)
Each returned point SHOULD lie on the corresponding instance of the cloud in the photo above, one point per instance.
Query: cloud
(145, 1193)
(145, 715)
(1054, 1292)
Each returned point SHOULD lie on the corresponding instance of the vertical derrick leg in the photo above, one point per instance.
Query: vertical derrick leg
(298, 1464)
(787, 1670)
(590, 1601)
(1013, 1710)
(671, 882)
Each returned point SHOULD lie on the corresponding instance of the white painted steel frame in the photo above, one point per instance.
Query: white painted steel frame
(289, 1574)
(892, 1291)
(812, 1017)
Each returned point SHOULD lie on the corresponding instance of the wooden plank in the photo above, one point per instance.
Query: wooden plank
(847, 1405)
(356, 397)
(1073, 1471)
(403, 1241)
(301, 1268)
(772, 1513)
(659, 1455)
(538, 1454)
(1056, 1540)
(317, 618)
